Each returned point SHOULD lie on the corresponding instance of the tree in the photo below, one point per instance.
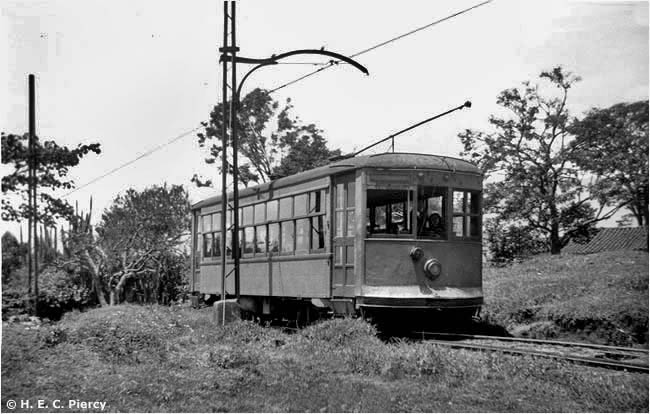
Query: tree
(612, 144)
(53, 164)
(13, 254)
(530, 157)
(262, 148)
(139, 239)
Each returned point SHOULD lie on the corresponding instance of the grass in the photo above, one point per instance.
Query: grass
(149, 359)
(598, 297)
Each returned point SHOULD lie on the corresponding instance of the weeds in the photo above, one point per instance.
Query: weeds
(176, 359)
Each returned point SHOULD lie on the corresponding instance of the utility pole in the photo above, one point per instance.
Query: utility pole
(33, 182)
(229, 54)
(30, 181)
(233, 133)
(224, 161)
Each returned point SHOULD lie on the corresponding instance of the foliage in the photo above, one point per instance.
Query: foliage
(265, 152)
(612, 144)
(530, 154)
(140, 244)
(13, 254)
(600, 298)
(53, 162)
(61, 291)
(510, 242)
(175, 359)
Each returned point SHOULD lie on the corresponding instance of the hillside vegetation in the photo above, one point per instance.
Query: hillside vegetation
(177, 359)
(599, 297)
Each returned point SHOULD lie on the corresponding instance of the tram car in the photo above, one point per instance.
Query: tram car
(389, 233)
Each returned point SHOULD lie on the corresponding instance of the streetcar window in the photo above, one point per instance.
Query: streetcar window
(206, 224)
(300, 205)
(207, 245)
(340, 195)
(388, 212)
(431, 212)
(274, 237)
(459, 198)
(474, 205)
(350, 194)
(216, 244)
(260, 239)
(259, 213)
(286, 243)
(229, 243)
(285, 207)
(317, 202)
(350, 221)
(339, 224)
(272, 210)
(458, 226)
(249, 240)
(467, 214)
(216, 221)
(317, 233)
(248, 216)
(302, 235)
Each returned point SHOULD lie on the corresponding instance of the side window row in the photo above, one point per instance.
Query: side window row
(300, 227)
(298, 236)
(306, 204)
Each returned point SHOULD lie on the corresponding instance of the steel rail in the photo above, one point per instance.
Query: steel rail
(539, 341)
(607, 363)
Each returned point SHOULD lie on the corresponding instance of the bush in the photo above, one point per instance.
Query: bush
(61, 291)
(513, 242)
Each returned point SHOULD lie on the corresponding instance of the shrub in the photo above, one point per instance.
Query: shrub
(507, 243)
(61, 291)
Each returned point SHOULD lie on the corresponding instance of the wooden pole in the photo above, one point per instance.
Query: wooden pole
(224, 162)
(34, 181)
(233, 134)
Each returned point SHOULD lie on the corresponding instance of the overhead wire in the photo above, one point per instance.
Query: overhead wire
(384, 43)
(325, 65)
(139, 157)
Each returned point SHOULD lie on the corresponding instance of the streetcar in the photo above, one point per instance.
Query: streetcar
(381, 234)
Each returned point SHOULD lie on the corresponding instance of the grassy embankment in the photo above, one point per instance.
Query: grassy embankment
(600, 297)
(177, 359)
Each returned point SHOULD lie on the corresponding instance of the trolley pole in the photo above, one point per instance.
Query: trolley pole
(224, 163)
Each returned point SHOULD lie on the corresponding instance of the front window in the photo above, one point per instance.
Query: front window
(431, 212)
(388, 212)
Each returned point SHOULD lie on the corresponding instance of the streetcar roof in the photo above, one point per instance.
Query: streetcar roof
(388, 160)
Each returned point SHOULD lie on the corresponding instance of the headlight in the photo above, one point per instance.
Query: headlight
(432, 268)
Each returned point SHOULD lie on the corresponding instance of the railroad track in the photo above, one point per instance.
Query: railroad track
(612, 357)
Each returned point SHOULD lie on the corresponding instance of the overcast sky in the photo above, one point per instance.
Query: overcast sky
(134, 74)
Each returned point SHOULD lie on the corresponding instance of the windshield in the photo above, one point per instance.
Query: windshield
(431, 212)
(387, 212)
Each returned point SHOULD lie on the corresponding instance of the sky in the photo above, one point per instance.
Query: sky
(133, 75)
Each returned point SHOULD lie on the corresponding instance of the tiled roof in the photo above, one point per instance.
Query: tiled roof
(612, 238)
